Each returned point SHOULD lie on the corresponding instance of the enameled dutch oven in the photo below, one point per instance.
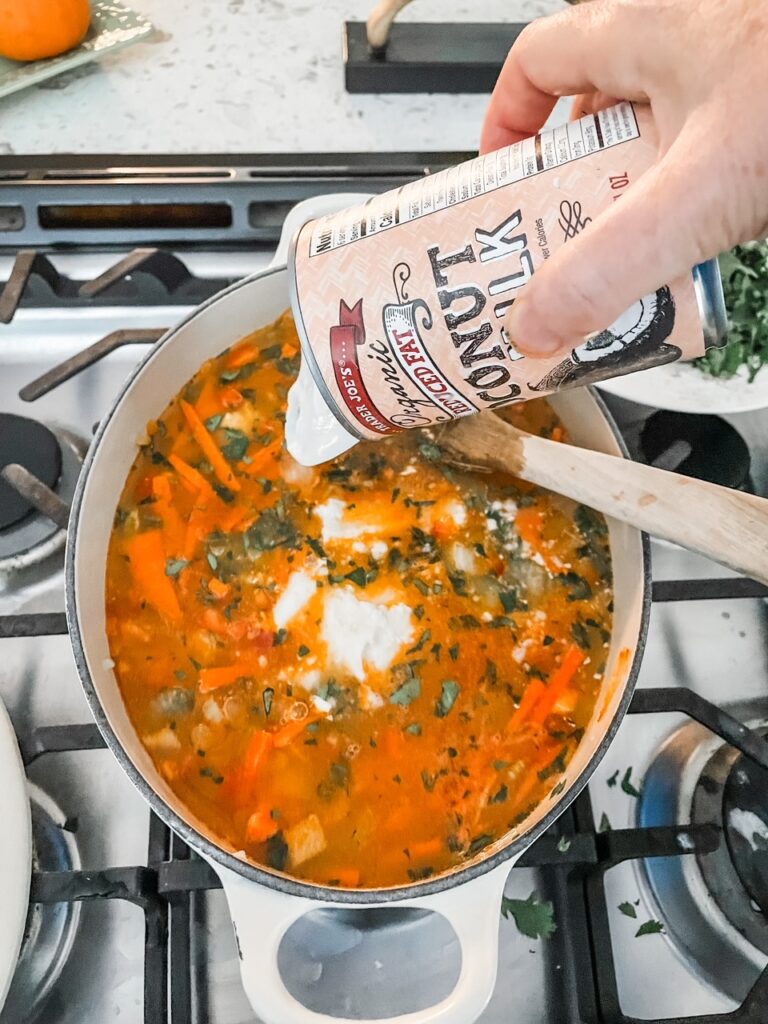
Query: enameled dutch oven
(264, 903)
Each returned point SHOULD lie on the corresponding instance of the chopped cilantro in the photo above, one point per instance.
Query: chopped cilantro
(580, 635)
(277, 851)
(605, 823)
(563, 844)
(449, 692)
(454, 651)
(267, 697)
(589, 523)
(212, 423)
(579, 588)
(611, 782)
(212, 561)
(508, 600)
(428, 780)
(628, 910)
(458, 581)
(500, 795)
(173, 566)
(408, 692)
(464, 622)
(272, 530)
(430, 451)
(479, 843)
(303, 651)
(414, 729)
(357, 576)
(423, 639)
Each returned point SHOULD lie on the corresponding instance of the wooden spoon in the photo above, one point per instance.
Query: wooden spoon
(725, 525)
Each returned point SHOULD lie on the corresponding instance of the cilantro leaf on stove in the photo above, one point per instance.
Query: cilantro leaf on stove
(626, 784)
(534, 918)
(651, 927)
(628, 910)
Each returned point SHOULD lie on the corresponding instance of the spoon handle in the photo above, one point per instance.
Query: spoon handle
(727, 526)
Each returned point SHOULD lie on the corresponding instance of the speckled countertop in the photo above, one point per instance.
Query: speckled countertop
(245, 75)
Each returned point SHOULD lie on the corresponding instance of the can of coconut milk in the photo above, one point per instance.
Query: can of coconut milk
(400, 302)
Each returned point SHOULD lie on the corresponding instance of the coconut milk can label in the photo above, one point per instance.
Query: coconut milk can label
(401, 302)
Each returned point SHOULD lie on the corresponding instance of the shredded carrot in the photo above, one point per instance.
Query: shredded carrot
(531, 778)
(213, 678)
(533, 691)
(259, 746)
(147, 557)
(529, 523)
(242, 354)
(208, 402)
(261, 825)
(220, 466)
(426, 849)
(217, 588)
(287, 733)
(191, 476)
(263, 460)
(231, 398)
(559, 681)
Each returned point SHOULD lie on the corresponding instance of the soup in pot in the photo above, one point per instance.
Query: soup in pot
(360, 674)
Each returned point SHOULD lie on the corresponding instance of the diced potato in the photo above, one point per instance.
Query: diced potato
(164, 740)
(462, 558)
(305, 840)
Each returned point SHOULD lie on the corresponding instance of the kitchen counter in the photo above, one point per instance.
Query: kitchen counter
(245, 76)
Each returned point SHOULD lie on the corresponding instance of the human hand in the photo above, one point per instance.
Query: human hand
(700, 64)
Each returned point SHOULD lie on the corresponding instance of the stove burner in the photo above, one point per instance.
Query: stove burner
(27, 545)
(34, 446)
(51, 927)
(745, 809)
(705, 447)
(711, 904)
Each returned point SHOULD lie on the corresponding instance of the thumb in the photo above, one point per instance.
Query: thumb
(648, 238)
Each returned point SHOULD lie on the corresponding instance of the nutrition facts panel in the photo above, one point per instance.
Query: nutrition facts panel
(553, 148)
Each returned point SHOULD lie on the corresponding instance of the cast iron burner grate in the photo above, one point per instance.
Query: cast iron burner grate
(166, 887)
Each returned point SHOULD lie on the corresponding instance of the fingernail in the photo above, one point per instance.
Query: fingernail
(529, 335)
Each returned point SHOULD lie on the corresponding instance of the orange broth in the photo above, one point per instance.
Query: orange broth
(441, 645)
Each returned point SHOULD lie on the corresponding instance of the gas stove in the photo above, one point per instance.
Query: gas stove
(657, 875)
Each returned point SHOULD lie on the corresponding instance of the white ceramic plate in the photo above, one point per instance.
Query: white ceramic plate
(682, 387)
(15, 852)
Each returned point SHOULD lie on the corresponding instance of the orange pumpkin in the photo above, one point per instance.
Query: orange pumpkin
(33, 29)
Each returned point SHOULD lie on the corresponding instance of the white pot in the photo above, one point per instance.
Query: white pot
(265, 903)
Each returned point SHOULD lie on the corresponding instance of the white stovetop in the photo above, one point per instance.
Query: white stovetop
(246, 76)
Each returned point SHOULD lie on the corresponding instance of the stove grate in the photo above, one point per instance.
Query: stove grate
(166, 887)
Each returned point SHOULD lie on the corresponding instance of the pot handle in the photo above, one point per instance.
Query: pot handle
(262, 916)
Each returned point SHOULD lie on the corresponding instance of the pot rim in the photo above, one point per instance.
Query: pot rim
(206, 846)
